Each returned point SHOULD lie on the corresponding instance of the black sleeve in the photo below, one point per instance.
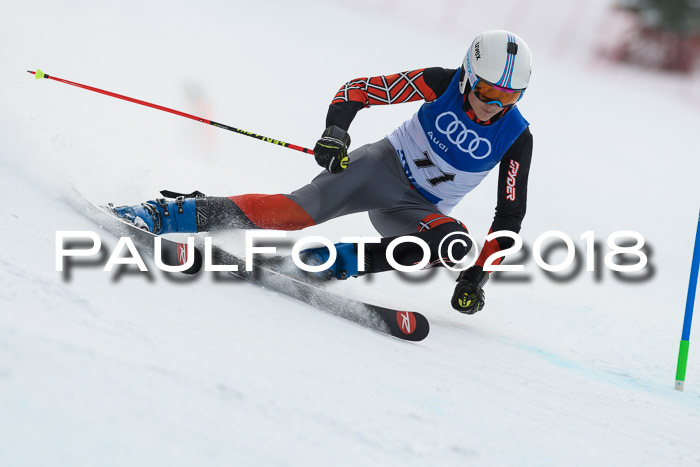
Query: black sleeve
(512, 184)
(438, 79)
(512, 195)
(342, 114)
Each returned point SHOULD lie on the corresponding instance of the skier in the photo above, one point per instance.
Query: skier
(409, 181)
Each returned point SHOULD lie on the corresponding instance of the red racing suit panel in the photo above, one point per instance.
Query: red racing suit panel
(273, 212)
(406, 86)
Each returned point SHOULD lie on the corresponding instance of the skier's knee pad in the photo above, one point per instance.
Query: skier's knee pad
(446, 238)
(433, 231)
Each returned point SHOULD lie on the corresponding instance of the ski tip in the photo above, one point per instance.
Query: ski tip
(406, 325)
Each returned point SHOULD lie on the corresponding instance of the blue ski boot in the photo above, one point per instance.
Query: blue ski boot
(345, 264)
(161, 216)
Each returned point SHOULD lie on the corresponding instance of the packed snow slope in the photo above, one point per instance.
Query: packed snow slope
(127, 368)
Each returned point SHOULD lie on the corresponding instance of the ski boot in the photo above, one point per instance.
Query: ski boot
(161, 216)
(345, 264)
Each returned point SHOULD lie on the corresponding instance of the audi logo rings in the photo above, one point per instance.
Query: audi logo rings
(455, 126)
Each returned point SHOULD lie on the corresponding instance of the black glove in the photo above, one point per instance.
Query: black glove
(331, 151)
(469, 294)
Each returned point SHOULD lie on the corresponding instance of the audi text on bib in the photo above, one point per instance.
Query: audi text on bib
(445, 154)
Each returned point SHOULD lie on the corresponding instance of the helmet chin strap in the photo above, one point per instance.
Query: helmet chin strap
(463, 80)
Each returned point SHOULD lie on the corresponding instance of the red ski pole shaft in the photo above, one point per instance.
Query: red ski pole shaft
(40, 74)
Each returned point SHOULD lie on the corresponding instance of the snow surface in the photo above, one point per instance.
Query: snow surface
(134, 369)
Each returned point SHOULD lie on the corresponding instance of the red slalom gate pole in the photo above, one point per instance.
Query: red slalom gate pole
(38, 74)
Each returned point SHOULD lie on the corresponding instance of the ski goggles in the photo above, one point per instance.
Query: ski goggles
(494, 94)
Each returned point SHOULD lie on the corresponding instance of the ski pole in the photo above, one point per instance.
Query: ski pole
(38, 74)
(690, 301)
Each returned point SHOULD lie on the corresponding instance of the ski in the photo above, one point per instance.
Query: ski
(406, 325)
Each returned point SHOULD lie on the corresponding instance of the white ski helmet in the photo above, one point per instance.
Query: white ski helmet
(499, 57)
